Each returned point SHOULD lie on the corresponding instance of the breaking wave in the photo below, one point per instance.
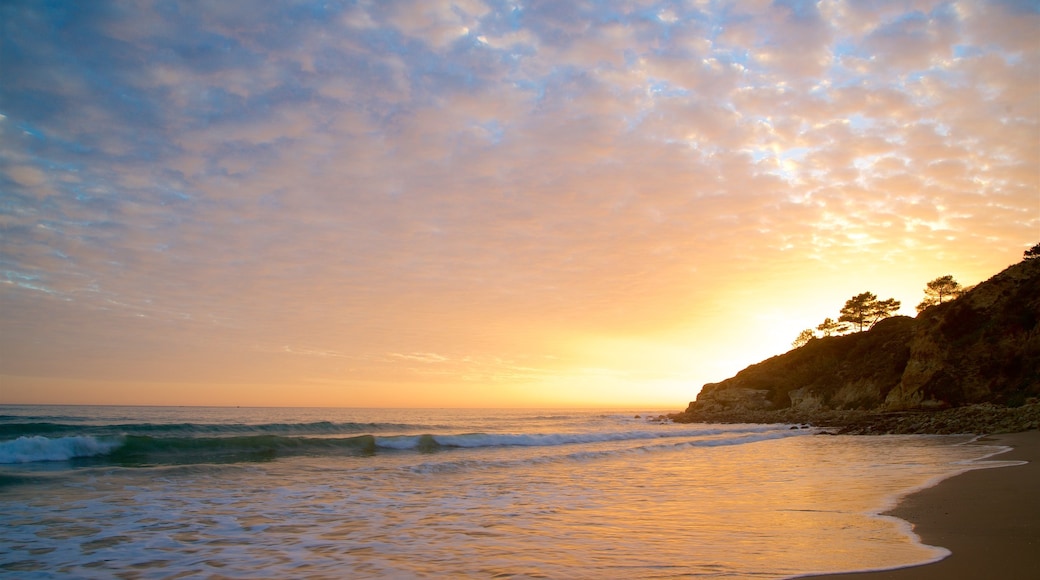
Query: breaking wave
(28, 449)
(261, 443)
(194, 429)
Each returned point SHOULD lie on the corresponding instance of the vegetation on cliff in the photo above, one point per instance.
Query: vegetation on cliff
(861, 312)
(982, 348)
(942, 289)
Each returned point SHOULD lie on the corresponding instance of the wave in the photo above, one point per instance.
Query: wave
(740, 439)
(38, 448)
(147, 450)
(19, 429)
(471, 440)
(140, 450)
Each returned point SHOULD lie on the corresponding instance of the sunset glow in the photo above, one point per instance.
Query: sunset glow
(485, 204)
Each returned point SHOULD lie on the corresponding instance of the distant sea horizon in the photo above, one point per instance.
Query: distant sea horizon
(642, 410)
(94, 491)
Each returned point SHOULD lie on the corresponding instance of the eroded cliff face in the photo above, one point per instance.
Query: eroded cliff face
(981, 348)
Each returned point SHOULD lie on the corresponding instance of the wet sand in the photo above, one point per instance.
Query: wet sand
(988, 518)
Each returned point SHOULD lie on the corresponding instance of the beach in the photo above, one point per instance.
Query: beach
(988, 518)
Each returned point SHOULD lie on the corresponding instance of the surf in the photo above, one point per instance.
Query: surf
(36, 448)
(180, 444)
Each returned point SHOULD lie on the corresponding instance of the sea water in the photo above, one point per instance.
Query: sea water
(140, 492)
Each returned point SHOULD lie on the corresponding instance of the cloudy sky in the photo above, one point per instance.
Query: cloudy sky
(488, 203)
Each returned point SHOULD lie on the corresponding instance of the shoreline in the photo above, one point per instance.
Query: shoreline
(977, 418)
(989, 519)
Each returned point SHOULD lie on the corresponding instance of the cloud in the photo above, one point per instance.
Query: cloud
(476, 178)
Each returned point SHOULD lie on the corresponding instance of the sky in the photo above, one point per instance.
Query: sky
(474, 203)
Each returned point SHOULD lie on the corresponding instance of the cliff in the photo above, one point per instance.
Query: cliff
(982, 348)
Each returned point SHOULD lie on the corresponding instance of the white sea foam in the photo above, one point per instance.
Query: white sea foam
(474, 440)
(738, 438)
(38, 448)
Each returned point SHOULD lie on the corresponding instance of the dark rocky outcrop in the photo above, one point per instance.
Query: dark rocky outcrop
(981, 349)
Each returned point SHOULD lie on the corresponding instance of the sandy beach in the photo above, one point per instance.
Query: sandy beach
(989, 519)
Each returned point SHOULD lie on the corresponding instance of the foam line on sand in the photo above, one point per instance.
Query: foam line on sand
(989, 519)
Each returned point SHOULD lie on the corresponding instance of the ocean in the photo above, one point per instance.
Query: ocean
(187, 492)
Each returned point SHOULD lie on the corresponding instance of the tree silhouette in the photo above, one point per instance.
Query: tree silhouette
(830, 326)
(803, 338)
(865, 310)
(941, 289)
(1031, 253)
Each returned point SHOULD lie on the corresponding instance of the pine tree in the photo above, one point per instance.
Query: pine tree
(803, 338)
(865, 310)
(829, 326)
(1031, 253)
(942, 289)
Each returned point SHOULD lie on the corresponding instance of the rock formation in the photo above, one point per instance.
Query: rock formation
(983, 347)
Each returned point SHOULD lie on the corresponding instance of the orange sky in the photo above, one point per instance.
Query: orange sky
(488, 204)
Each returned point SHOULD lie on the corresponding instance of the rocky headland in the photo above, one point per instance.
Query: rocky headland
(970, 365)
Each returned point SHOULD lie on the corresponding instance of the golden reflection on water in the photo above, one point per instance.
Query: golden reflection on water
(778, 508)
(787, 506)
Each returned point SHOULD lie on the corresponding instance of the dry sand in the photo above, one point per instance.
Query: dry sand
(988, 518)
